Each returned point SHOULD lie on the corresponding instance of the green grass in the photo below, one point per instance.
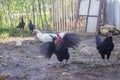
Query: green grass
(13, 32)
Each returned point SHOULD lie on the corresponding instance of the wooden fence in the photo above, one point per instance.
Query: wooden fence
(64, 16)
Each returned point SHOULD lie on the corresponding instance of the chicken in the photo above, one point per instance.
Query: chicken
(31, 26)
(45, 37)
(59, 46)
(21, 24)
(106, 46)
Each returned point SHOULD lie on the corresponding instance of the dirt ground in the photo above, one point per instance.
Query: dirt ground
(26, 62)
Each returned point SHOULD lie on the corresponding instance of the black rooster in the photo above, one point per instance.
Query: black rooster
(21, 24)
(106, 46)
(59, 46)
(31, 26)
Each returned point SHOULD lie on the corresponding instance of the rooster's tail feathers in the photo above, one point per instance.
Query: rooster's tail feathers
(47, 49)
(71, 40)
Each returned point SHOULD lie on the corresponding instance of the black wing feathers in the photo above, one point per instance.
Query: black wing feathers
(47, 49)
(71, 40)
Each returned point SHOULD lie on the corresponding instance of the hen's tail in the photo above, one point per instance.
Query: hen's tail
(71, 40)
(98, 40)
(47, 49)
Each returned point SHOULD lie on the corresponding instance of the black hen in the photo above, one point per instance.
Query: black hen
(59, 46)
(31, 26)
(106, 46)
(21, 24)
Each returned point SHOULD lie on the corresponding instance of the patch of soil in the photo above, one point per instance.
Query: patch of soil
(26, 63)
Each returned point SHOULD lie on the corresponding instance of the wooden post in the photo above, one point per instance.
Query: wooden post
(77, 15)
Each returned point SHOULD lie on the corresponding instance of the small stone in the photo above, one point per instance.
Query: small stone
(1, 56)
(65, 73)
(0, 66)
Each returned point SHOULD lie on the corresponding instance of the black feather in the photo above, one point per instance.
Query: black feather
(71, 40)
(31, 26)
(21, 24)
(60, 50)
(105, 47)
(98, 40)
(47, 49)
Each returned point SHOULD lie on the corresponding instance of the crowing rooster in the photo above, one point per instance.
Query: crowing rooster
(45, 37)
(106, 46)
(59, 46)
